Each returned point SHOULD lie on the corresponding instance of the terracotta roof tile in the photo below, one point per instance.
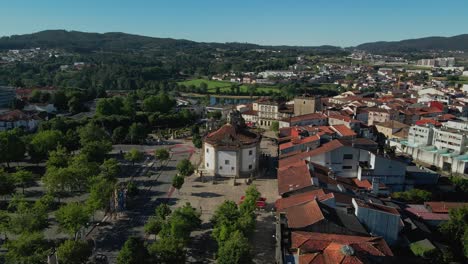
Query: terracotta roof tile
(284, 203)
(330, 248)
(305, 214)
(294, 177)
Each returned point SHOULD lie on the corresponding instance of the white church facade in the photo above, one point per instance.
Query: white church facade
(232, 150)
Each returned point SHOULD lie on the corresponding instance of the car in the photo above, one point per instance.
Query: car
(100, 258)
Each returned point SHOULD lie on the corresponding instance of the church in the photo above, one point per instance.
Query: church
(232, 150)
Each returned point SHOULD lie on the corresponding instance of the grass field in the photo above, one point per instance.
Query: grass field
(225, 87)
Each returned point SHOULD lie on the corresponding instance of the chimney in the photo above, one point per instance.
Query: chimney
(375, 185)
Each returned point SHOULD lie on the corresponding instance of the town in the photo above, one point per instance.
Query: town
(120, 148)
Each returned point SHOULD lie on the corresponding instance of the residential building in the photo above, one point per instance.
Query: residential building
(379, 220)
(7, 95)
(313, 119)
(315, 248)
(390, 128)
(18, 119)
(379, 115)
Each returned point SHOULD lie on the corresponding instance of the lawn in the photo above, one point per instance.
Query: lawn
(225, 87)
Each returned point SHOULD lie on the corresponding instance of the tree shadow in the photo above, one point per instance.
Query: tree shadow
(207, 194)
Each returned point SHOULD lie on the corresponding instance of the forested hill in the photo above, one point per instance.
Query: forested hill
(116, 41)
(82, 41)
(459, 42)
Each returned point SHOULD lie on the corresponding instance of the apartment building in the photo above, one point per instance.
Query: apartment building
(421, 135)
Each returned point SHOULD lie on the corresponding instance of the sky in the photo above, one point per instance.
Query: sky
(270, 22)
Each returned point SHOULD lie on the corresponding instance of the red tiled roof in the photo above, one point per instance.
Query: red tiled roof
(378, 207)
(312, 116)
(229, 135)
(422, 212)
(14, 115)
(331, 248)
(304, 214)
(250, 112)
(297, 141)
(425, 121)
(284, 203)
(344, 131)
(293, 177)
(362, 184)
(443, 207)
(332, 145)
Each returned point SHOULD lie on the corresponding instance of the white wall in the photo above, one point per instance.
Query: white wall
(227, 169)
(209, 157)
(249, 159)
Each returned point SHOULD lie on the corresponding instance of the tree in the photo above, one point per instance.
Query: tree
(7, 184)
(274, 126)
(456, 230)
(43, 142)
(22, 178)
(28, 218)
(27, 248)
(133, 252)
(91, 133)
(96, 150)
(58, 158)
(12, 147)
(110, 169)
(35, 96)
(185, 167)
(413, 195)
(4, 223)
(118, 135)
(197, 141)
(168, 250)
(136, 133)
(60, 100)
(72, 217)
(236, 250)
(100, 194)
(162, 211)
(74, 252)
(162, 155)
(178, 181)
(134, 156)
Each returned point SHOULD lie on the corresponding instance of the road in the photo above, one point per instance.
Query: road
(110, 236)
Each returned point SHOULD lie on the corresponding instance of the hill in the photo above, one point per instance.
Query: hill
(459, 42)
(117, 41)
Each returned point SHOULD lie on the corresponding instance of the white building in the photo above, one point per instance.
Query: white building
(420, 135)
(379, 220)
(18, 119)
(355, 159)
(232, 150)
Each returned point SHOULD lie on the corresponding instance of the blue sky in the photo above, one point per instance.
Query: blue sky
(286, 22)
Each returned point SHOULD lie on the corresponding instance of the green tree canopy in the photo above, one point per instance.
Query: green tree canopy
(136, 133)
(456, 230)
(162, 154)
(72, 217)
(74, 252)
(134, 156)
(12, 146)
(23, 177)
(27, 248)
(236, 250)
(168, 250)
(185, 167)
(43, 142)
(133, 252)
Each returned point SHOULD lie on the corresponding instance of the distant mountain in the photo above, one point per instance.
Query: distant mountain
(459, 42)
(116, 41)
